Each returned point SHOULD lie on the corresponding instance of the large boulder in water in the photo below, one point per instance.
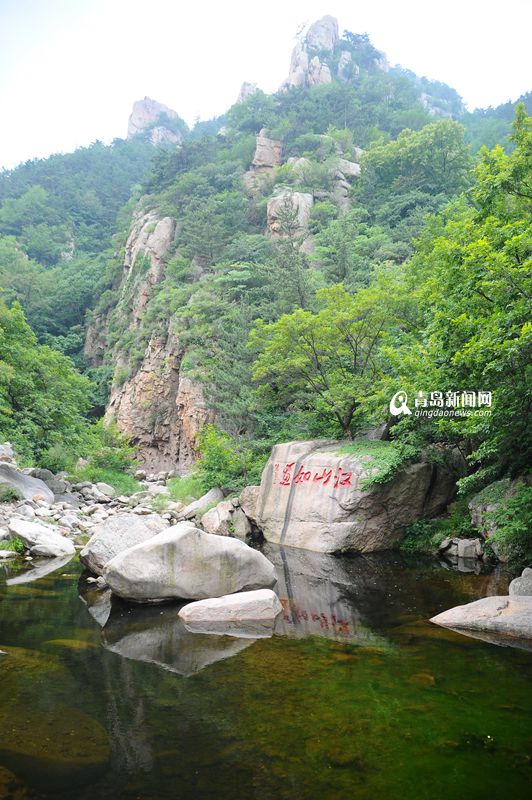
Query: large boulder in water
(320, 496)
(28, 487)
(184, 562)
(118, 533)
(507, 617)
(523, 584)
(232, 612)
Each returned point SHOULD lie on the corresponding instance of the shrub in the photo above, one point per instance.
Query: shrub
(8, 494)
(121, 482)
(186, 489)
(226, 462)
(513, 537)
(15, 544)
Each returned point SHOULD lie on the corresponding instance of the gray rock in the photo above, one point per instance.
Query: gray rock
(505, 616)
(184, 562)
(26, 511)
(312, 496)
(116, 534)
(469, 548)
(6, 452)
(229, 612)
(30, 488)
(198, 506)
(105, 489)
(6, 554)
(42, 540)
(248, 502)
(219, 519)
(523, 584)
(68, 499)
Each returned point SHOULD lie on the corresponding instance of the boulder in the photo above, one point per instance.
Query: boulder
(226, 519)
(522, 585)
(198, 506)
(501, 615)
(6, 452)
(184, 562)
(116, 534)
(29, 488)
(42, 540)
(312, 495)
(209, 616)
(248, 502)
(106, 489)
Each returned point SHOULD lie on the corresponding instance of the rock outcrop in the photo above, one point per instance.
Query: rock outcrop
(266, 159)
(306, 69)
(246, 90)
(144, 116)
(313, 496)
(284, 203)
(186, 563)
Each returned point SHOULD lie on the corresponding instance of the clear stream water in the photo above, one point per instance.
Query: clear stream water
(355, 696)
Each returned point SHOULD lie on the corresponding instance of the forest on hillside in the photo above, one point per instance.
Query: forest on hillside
(421, 284)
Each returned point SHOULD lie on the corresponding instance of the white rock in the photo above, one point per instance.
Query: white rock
(184, 562)
(42, 540)
(261, 605)
(195, 508)
(105, 489)
(501, 615)
(116, 534)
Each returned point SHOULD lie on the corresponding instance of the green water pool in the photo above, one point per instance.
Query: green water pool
(355, 695)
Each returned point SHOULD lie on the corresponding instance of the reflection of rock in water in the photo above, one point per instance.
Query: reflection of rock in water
(157, 636)
(39, 570)
(98, 602)
(316, 594)
(460, 564)
(248, 629)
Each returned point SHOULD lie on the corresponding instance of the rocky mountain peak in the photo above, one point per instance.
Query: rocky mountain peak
(145, 114)
(323, 34)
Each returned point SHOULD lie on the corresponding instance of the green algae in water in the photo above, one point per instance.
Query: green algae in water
(395, 709)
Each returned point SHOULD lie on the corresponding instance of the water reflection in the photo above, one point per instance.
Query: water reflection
(39, 569)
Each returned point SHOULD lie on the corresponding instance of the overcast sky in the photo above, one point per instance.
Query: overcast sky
(71, 69)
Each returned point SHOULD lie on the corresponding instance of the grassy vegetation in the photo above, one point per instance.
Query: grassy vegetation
(120, 481)
(425, 535)
(513, 537)
(186, 489)
(15, 544)
(8, 494)
(383, 458)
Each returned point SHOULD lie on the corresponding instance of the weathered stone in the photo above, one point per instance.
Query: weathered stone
(219, 519)
(145, 113)
(116, 534)
(28, 487)
(248, 502)
(229, 612)
(323, 34)
(6, 452)
(42, 540)
(198, 506)
(300, 202)
(505, 616)
(106, 489)
(267, 151)
(523, 584)
(184, 562)
(241, 524)
(469, 548)
(348, 168)
(312, 496)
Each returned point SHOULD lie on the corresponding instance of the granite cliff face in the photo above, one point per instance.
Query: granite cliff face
(154, 403)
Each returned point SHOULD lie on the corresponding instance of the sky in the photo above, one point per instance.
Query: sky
(70, 70)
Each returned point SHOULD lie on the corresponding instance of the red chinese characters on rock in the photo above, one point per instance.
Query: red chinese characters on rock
(336, 479)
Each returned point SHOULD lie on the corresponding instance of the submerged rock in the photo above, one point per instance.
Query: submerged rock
(116, 534)
(185, 562)
(505, 616)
